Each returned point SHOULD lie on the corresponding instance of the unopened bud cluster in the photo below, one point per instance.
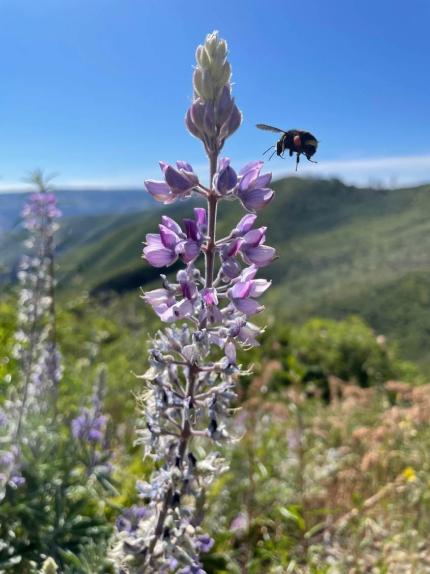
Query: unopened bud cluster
(213, 115)
(193, 368)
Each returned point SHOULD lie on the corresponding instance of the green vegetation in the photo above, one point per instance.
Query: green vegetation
(343, 251)
(331, 472)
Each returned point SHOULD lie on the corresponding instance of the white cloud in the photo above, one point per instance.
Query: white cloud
(391, 171)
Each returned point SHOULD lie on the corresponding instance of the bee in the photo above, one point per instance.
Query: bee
(295, 141)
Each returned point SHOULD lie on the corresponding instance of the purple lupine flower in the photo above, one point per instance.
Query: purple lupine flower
(178, 182)
(41, 206)
(244, 290)
(163, 249)
(30, 404)
(253, 250)
(130, 518)
(160, 300)
(240, 523)
(252, 189)
(225, 179)
(89, 429)
(244, 225)
(164, 301)
(193, 366)
(160, 250)
(204, 543)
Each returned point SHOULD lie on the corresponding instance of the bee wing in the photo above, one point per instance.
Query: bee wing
(269, 128)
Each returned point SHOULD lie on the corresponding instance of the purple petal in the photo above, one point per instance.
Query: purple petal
(244, 225)
(192, 128)
(258, 287)
(255, 199)
(197, 111)
(259, 256)
(190, 251)
(248, 306)
(234, 247)
(178, 311)
(177, 181)
(251, 166)
(200, 217)
(232, 123)
(209, 118)
(223, 163)
(230, 352)
(225, 180)
(159, 191)
(154, 240)
(169, 238)
(204, 543)
(188, 288)
(263, 180)
(248, 333)
(159, 257)
(191, 229)
(224, 106)
(156, 296)
(183, 165)
(231, 268)
(171, 224)
(249, 273)
(210, 296)
(255, 236)
(240, 290)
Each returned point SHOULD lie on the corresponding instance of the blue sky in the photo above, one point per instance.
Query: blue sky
(97, 89)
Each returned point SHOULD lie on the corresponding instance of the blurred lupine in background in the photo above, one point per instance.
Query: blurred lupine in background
(90, 431)
(36, 345)
(193, 367)
(49, 501)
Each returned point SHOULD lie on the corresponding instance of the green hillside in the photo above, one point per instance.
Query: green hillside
(342, 250)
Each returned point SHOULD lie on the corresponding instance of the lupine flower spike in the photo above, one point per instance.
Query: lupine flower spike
(36, 346)
(193, 366)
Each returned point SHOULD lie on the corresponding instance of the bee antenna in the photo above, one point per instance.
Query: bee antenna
(272, 154)
(264, 152)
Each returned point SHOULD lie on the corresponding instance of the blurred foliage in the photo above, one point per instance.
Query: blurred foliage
(7, 331)
(326, 488)
(331, 474)
(57, 510)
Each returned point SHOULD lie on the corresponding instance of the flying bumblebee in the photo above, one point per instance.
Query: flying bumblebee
(295, 141)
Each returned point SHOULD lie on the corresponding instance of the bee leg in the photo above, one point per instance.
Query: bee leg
(297, 161)
(291, 153)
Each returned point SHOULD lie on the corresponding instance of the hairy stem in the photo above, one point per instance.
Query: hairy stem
(212, 212)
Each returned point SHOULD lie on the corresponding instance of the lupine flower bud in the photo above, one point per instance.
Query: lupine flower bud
(213, 71)
(213, 116)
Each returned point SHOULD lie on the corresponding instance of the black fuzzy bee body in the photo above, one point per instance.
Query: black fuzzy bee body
(295, 141)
